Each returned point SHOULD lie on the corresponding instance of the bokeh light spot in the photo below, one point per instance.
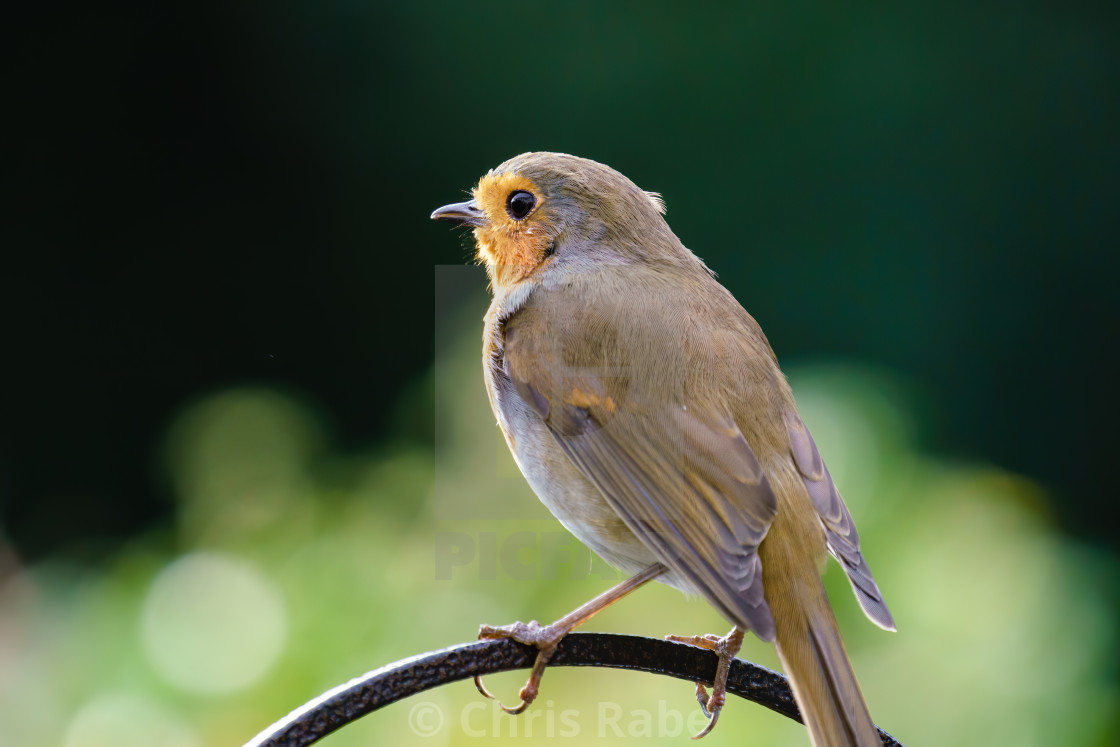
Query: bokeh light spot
(212, 623)
(238, 463)
(123, 720)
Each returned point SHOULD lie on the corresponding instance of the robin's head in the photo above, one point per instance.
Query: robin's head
(539, 208)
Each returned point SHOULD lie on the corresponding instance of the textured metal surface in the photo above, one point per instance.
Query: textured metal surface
(349, 702)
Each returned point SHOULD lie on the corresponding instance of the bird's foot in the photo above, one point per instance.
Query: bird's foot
(545, 637)
(725, 649)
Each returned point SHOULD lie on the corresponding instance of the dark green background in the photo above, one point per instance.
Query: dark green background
(206, 194)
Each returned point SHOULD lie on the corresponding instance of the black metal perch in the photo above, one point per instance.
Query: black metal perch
(349, 702)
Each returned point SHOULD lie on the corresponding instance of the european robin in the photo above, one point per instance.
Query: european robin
(647, 410)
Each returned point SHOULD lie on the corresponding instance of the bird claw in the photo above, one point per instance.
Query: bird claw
(702, 698)
(532, 633)
(547, 637)
(725, 649)
(482, 688)
(708, 642)
(713, 717)
(711, 705)
(514, 710)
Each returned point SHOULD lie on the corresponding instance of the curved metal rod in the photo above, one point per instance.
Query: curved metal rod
(348, 702)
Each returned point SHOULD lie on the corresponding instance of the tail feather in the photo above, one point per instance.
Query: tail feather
(823, 681)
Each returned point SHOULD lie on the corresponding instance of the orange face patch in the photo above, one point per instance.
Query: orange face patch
(494, 189)
(510, 248)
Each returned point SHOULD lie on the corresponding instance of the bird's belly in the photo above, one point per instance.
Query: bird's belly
(563, 489)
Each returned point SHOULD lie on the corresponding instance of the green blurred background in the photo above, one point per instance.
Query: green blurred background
(245, 452)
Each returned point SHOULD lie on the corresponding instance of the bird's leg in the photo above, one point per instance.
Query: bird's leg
(725, 648)
(548, 637)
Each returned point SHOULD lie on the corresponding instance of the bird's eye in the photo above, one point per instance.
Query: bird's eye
(519, 203)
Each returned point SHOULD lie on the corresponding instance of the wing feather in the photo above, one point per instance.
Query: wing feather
(685, 482)
(840, 530)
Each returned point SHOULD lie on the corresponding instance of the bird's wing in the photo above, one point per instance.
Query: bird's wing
(839, 529)
(682, 478)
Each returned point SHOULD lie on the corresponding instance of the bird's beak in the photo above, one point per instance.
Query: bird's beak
(463, 213)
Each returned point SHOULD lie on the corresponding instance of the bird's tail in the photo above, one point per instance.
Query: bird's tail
(813, 655)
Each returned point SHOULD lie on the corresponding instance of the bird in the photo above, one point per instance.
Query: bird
(647, 411)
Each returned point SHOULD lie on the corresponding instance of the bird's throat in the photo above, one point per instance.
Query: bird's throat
(510, 256)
